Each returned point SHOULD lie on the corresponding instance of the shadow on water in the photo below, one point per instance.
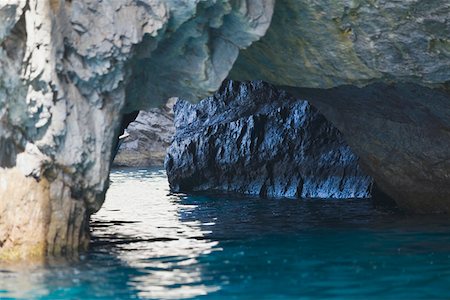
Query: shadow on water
(150, 244)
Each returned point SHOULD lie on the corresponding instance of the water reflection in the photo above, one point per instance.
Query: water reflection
(149, 244)
(157, 242)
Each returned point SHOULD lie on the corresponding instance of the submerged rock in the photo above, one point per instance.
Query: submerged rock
(150, 136)
(254, 139)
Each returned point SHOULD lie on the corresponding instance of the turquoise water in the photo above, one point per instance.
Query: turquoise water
(147, 244)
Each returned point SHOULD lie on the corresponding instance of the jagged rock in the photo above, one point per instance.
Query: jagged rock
(254, 139)
(150, 136)
(68, 71)
(390, 65)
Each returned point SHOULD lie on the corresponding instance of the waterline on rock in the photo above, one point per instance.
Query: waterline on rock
(150, 244)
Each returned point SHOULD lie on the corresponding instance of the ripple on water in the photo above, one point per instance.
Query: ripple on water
(150, 244)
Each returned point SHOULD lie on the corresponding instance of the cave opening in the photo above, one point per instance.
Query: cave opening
(352, 100)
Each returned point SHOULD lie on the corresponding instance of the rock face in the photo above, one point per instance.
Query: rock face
(254, 139)
(150, 136)
(68, 70)
(389, 66)
(401, 132)
(324, 44)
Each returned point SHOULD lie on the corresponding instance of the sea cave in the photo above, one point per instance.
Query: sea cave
(313, 117)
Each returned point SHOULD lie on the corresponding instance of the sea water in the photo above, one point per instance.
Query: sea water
(150, 244)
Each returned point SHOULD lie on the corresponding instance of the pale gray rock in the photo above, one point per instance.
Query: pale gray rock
(251, 138)
(323, 44)
(149, 137)
(68, 71)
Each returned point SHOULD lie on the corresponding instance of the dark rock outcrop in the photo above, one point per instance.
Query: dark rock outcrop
(401, 132)
(150, 136)
(254, 139)
(380, 72)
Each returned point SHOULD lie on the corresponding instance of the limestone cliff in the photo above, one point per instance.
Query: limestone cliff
(68, 70)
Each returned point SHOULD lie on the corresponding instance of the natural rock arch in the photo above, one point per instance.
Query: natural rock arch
(69, 69)
(380, 73)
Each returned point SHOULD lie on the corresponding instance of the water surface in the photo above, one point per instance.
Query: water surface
(149, 244)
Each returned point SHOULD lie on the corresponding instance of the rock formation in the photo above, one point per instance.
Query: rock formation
(150, 136)
(401, 132)
(68, 70)
(324, 44)
(254, 139)
(389, 66)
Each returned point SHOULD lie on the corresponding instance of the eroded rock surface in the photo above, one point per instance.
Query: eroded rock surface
(389, 66)
(324, 44)
(254, 139)
(68, 71)
(401, 132)
(149, 137)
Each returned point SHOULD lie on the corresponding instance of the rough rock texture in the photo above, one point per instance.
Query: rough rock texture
(150, 136)
(323, 44)
(398, 53)
(401, 133)
(252, 138)
(68, 70)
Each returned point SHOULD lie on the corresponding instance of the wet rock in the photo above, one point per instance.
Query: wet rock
(149, 137)
(252, 138)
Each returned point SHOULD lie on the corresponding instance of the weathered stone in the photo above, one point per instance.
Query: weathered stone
(323, 44)
(400, 50)
(66, 77)
(254, 139)
(149, 137)
(401, 132)
(70, 69)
